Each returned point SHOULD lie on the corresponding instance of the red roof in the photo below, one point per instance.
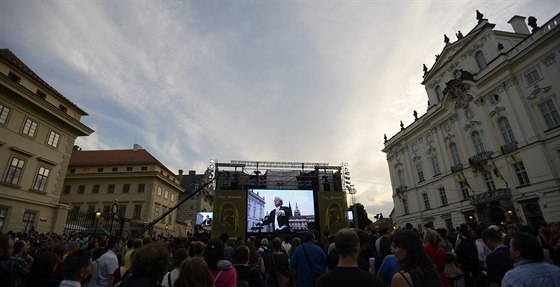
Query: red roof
(112, 157)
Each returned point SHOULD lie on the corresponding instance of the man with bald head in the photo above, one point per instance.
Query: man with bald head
(347, 273)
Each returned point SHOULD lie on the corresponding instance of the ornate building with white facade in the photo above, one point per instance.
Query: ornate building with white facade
(488, 147)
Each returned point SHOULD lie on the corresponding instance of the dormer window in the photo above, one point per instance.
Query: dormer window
(481, 60)
(41, 94)
(14, 77)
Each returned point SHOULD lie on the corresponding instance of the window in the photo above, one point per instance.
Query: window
(95, 188)
(3, 215)
(481, 60)
(550, 114)
(14, 171)
(81, 188)
(489, 180)
(405, 205)
(521, 173)
(505, 130)
(477, 142)
(137, 211)
(66, 189)
(439, 94)
(125, 188)
(14, 77)
(53, 139)
(91, 209)
(129, 168)
(100, 169)
(435, 166)
(141, 187)
(156, 212)
(29, 127)
(464, 190)
(426, 200)
(111, 188)
(455, 153)
(41, 179)
(28, 221)
(532, 76)
(400, 174)
(420, 173)
(443, 196)
(172, 197)
(122, 210)
(159, 191)
(144, 168)
(115, 169)
(4, 112)
(166, 196)
(449, 224)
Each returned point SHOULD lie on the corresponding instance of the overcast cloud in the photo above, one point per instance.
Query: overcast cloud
(305, 81)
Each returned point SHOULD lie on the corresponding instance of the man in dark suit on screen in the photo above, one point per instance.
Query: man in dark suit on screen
(279, 217)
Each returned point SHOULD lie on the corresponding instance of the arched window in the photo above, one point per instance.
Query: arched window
(455, 153)
(439, 94)
(477, 141)
(481, 60)
(505, 130)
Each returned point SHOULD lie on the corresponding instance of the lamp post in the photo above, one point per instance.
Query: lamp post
(97, 216)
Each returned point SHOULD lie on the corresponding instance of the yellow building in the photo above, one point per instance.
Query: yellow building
(141, 186)
(38, 127)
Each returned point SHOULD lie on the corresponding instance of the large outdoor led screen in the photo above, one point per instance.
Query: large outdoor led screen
(294, 212)
(204, 219)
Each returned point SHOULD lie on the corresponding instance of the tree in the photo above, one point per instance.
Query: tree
(363, 219)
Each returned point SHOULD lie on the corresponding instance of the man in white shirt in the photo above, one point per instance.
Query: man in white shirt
(279, 217)
(108, 263)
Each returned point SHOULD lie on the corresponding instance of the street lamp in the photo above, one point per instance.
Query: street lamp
(97, 216)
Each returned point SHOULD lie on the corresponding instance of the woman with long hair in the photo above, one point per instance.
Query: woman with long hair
(194, 273)
(222, 270)
(436, 253)
(416, 268)
(277, 265)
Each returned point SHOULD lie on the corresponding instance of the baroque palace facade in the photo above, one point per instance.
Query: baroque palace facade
(488, 147)
(38, 127)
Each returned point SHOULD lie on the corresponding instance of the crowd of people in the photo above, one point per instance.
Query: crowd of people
(470, 256)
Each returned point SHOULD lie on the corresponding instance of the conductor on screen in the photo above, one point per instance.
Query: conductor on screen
(278, 217)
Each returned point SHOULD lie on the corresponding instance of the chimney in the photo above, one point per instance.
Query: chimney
(192, 172)
(136, 147)
(180, 172)
(518, 24)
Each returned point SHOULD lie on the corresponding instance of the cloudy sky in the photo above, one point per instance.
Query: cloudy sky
(303, 81)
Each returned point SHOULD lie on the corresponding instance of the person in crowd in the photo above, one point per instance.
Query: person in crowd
(244, 271)
(481, 248)
(445, 243)
(149, 265)
(499, 261)
(308, 261)
(61, 249)
(228, 249)
(511, 230)
(347, 273)
(76, 268)
(384, 251)
(256, 262)
(194, 273)
(383, 232)
(18, 265)
(389, 267)
(277, 265)
(222, 270)
(286, 245)
(197, 249)
(529, 268)
(180, 256)
(296, 241)
(136, 244)
(467, 256)
(108, 263)
(436, 253)
(6, 249)
(278, 217)
(416, 268)
(42, 270)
